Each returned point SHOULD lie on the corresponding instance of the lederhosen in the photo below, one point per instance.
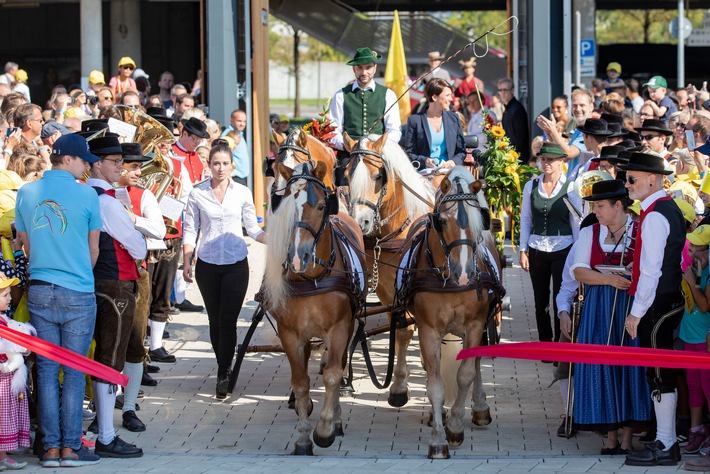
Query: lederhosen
(361, 108)
(115, 275)
(663, 316)
(136, 350)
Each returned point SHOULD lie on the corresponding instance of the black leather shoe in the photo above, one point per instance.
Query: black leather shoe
(131, 422)
(222, 385)
(93, 426)
(189, 307)
(117, 449)
(561, 430)
(148, 381)
(161, 355)
(654, 454)
(151, 369)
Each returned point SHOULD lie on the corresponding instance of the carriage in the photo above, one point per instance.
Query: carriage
(430, 257)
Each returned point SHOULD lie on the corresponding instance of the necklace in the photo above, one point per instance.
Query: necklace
(612, 234)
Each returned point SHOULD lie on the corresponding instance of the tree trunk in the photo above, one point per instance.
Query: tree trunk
(646, 25)
(296, 73)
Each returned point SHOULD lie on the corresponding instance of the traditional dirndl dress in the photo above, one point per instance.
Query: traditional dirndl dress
(14, 413)
(608, 397)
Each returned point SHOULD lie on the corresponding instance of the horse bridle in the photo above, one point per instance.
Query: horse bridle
(463, 199)
(332, 207)
(288, 144)
(356, 154)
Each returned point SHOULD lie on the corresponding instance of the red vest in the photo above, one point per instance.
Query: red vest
(114, 262)
(600, 257)
(136, 195)
(192, 162)
(636, 268)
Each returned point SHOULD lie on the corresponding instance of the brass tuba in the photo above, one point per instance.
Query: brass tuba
(158, 174)
(583, 183)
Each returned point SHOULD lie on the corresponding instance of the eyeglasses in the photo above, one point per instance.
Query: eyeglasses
(128, 66)
(632, 179)
(116, 162)
(40, 120)
(504, 90)
(106, 97)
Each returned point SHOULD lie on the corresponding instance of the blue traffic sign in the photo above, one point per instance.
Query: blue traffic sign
(587, 48)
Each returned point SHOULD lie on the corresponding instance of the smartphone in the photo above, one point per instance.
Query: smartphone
(10, 131)
(690, 138)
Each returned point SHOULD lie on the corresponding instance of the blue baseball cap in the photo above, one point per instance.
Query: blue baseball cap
(704, 149)
(74, 145)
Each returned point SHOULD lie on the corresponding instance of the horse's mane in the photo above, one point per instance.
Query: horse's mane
(325, 148)
(397, 163)
(475, 220)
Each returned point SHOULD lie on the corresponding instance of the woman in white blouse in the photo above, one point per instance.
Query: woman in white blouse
(217, 209)
(547, 231)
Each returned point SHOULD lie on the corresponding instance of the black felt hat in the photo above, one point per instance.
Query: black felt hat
(94, 125)
(646, 162)
(196, 126)
(608, 189)
(106, 145)
(608, 153)
(621, 158)
(612, 118)
(133, 152)
(595, 126)
(654, 125)
(617, 130)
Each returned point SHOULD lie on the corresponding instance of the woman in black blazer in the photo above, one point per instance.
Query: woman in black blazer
(434, 138)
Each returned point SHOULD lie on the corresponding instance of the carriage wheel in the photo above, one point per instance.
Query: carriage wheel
(492, 332)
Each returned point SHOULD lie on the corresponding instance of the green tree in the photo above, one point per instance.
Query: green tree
(475, 23)
(640, 26)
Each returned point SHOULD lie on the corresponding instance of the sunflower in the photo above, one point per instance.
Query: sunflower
(497, 131)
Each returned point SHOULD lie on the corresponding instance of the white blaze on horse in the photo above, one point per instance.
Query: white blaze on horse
(314, 283)
(387, 195)
(453, 286)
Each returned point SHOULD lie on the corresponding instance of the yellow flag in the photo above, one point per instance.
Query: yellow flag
(396, 77)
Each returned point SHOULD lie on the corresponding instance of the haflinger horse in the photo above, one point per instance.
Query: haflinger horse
(453, 286)
(314, 284)
(299, 147)
(387, 195)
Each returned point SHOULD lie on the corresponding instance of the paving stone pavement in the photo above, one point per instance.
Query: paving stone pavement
(254, 430)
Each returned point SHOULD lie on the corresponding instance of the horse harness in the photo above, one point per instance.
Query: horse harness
(288, 144)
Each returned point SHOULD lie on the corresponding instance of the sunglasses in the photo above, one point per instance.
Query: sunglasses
(128, 66)
(632, 179)
(648, 138)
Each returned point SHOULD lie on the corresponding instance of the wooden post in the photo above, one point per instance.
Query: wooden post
(259, 49)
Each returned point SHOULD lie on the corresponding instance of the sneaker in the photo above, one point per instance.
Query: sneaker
(78, 457)
(11, 464)
(705, 448)
(118, 449)
(51, 458)
(189, 307)
(682, 439)
(696, 439)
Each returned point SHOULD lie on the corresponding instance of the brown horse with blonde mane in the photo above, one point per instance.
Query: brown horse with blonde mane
(314, 284)
(387, 195)
(453, 286)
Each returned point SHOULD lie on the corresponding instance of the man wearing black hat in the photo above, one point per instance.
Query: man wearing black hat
(356, 108)
(654, 135)
(658, 303)
(115, 274)
(194, 131)
(149, 221)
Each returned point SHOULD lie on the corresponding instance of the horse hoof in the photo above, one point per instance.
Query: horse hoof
(438, 452)
(482, 418)
(324, 442)
(454, 439)
(310, 407)
(398, 400)
(339, 428)
(303, 450)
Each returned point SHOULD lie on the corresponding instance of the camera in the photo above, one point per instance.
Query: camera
(92, 100)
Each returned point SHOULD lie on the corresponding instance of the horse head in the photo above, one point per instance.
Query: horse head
(367, 171)
(458, 220)
(313, 204)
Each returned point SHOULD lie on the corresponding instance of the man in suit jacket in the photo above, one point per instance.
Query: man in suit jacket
(515, 120)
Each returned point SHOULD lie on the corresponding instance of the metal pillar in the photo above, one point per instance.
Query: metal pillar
(223, 86)
(91, 39)
(125, 32)
(587, 27)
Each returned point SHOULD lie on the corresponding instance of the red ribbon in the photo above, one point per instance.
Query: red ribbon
(592, 354)
(64, 356)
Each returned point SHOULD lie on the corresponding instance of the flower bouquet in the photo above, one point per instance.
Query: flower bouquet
(321, 127)
(505, 178)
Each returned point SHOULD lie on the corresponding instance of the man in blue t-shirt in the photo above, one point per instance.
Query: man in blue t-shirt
(59, 222)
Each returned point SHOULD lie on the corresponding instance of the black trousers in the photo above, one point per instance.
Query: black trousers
(223, 288)
(162, 278)
(656, 331)
(543, 267)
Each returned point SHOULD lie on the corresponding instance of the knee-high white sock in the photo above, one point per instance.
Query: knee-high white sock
(105, 400)
(665, 418)
(156, 334)
(180, 287)
(134, 372)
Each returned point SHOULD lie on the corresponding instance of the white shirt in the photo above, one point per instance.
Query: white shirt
(151, 223)
(222, 240)
(583, 245)
(543, 243)
(391, 119)
(655, 230)
(565, 297)
(117, 223)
